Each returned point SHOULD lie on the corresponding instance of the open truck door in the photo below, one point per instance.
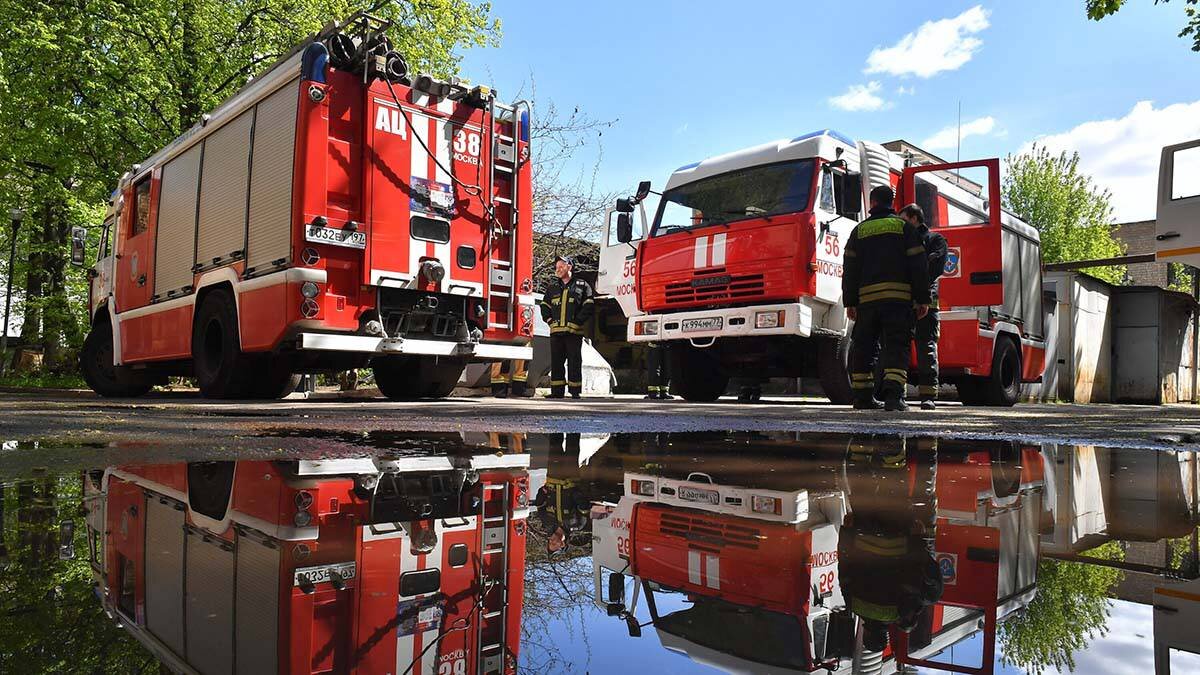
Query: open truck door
(970, 222)
(1177, 227)
(617, 275)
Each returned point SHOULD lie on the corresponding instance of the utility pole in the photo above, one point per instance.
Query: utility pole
(17, 215)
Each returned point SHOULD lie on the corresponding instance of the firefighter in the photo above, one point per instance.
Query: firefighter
(567, 304)
(889, 574)
(885, 282)
(928, 329)
(658, 372)
(509, 378)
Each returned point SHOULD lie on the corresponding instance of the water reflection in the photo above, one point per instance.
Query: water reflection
(485, 553)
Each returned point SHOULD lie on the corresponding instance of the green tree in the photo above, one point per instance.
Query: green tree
(1099, 9)
(1072, 214)
(1069, 610)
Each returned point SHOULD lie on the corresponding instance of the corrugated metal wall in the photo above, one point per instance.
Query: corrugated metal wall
(269, 233)
(209, 606)
(257, 615)
(176, 240)
(164, 571)
(221, 233)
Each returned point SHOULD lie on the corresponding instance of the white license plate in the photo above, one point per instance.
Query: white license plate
(696, 325)
(689, 494)
(322, 573)
(335, 237)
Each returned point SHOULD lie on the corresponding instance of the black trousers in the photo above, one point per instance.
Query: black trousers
(658, 369)
(890, 326)
(927, 331)
(566, 349)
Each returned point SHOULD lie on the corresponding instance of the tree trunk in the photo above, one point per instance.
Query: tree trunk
(35, 283)
(56, 312)
(189, 95)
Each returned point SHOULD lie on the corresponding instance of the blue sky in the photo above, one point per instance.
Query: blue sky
(688, 80)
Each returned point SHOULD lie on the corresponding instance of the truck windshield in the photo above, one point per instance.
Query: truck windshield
(755, 192)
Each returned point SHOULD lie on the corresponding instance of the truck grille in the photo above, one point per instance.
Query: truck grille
(713, 285)
(704, 531)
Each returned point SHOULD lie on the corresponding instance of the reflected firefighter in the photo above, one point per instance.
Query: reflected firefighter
(892, 527)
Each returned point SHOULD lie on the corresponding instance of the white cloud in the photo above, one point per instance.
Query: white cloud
(905, 91)
(935, 47)
(860, 97)
(1122, 154)
(948, 138)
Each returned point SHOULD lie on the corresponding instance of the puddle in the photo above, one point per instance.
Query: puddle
(743, 552)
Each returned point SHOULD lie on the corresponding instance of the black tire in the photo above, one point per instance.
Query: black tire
(409, 378)
(96, 363)
(969, 390)
(833, 369)
(696, 375)
(277, 378)
(1003, 386)
(221, 369)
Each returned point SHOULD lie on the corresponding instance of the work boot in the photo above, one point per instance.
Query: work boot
(575, 395)
(867, 403)
(555, 394)
(895, 403)
(928, 404)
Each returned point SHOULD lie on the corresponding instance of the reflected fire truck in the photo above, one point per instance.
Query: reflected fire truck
(741, 571)
(371, 565)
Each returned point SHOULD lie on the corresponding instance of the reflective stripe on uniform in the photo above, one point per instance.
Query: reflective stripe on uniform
(886, 546)
(558, 383)
(877, 226)
(896, 375)
(885, 286)
(885, 295)
(927, 390)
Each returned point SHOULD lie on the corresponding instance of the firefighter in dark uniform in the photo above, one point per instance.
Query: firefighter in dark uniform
(567, 305)
(509, 378)
(928, 328)
(658, 374)
(886, 564)
(885, 281)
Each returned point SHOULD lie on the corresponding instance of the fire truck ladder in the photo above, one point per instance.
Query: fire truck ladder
(493, 541)
(504, 162)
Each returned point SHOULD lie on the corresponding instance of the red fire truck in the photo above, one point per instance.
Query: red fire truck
(740, 269)
(759, 568)
(336, 212)
(411, 565)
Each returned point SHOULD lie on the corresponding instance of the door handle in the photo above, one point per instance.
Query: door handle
(142, 280)
(1167, 235)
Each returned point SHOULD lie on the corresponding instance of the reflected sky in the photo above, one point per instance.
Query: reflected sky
(748, 552)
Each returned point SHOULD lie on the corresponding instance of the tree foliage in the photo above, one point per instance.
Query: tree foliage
(1099, 9)
(1072, 214)
(90, 87)
(1069, 610)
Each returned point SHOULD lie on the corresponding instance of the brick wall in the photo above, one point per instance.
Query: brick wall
(1139, 238)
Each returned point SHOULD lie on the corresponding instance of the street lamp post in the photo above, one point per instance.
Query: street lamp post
(17, 216)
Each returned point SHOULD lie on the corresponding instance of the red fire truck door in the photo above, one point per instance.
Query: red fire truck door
(134, 280)
(974, 273)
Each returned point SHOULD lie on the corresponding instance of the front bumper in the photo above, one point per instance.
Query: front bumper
(734, 322)
(477, 351)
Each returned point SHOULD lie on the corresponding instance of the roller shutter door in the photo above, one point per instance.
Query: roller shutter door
(257, 616)
(175, 246)
(210, 569)
(221, 236)
(269, 233)
(164, 571)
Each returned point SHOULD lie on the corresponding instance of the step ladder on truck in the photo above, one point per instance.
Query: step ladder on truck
(740, 269)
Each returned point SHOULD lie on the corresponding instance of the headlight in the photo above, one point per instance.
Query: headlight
(309, 290)
(768, 319)
(761, 504)
(642, 488)
(645, 328)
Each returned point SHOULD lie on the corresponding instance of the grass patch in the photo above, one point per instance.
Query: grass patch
(41, 380)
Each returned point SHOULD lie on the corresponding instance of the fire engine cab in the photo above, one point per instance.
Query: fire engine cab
(740, 269)
(411, 565)
(337, 212)
(750, 571)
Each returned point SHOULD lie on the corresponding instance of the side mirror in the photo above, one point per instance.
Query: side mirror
(78, 246)
(643, 190)
(624, 228)
(624, 205)
(66, 540)
(616, 588)
(632, 625)
(852, 196)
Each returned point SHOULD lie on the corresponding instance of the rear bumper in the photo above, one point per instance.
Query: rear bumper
(478, 351)
(734, 322)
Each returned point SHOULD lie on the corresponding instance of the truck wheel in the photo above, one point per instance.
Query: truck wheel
(1003, 386)
(277, 379)
(697, 376)
(96, 362)
(832, 369)
(221, 369)
(408, 378)
(1006, 469)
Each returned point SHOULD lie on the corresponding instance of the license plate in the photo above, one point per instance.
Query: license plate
(696, 325)
(690, 494)
(335, 237)
(322, 573)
